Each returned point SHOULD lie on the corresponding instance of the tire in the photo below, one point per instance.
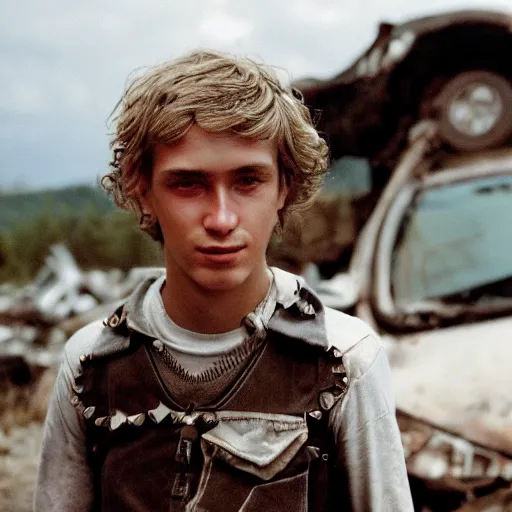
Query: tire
(470, 123)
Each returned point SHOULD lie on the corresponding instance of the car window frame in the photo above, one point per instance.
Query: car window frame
(383, 304)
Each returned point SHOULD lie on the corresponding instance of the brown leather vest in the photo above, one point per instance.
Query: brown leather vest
(263, 446)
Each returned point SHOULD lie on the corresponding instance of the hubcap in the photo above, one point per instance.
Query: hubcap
(475, 110)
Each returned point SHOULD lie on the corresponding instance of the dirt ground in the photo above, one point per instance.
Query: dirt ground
(19, 449)
(22, 412)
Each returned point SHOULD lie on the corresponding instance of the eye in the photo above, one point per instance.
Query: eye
(186, 186)
(249, 181)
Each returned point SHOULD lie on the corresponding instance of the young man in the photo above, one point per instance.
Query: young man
(223, 384)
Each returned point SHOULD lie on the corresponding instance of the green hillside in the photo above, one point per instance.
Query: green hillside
(96, 233)
(21, 207)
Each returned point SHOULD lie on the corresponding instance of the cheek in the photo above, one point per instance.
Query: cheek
(177, 212)
(263, 221)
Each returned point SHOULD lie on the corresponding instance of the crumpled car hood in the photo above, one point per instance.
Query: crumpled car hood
(459, 379)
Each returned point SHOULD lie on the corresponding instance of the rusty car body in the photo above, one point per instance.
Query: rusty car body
(452, 67)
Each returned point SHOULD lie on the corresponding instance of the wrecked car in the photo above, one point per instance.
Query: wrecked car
(451, 67)
(420, 130)
(432, 273)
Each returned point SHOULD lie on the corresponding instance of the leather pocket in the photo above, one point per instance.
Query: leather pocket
(260, 444)
(255, 462)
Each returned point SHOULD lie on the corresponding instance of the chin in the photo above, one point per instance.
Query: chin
(220, 280)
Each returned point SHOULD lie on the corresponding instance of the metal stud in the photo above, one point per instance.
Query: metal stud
(316, 414)
(209, 417)
(89, 412)
(158, 345)
(75, 400)
(345, 380)
(189, 420)
(159, 413)
(337, 353)
(325, 457)
(313, 452)
(99, 422)
(113, 321)
(309, 310)
(137, 419)
(117, 419)
(305, 308)
(326, 400)
(83, 358)
(78, 388)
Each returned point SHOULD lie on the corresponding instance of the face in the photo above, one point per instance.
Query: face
(216, 198)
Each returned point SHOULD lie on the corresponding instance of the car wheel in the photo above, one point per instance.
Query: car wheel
(474, 110)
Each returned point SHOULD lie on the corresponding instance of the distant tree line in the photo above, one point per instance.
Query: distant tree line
(97, 234)
(19, 207)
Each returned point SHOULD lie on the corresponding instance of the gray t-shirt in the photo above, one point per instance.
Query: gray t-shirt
(197, 368)
(195, 351)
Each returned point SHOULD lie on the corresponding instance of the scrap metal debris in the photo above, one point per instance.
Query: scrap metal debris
(36, 320)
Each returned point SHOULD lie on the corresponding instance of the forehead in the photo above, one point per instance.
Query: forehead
(207, 151)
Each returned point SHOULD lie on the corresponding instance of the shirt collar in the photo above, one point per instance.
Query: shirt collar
(287, 319)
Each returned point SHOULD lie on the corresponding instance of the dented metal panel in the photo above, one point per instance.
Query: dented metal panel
(459, 379)
(433, 454)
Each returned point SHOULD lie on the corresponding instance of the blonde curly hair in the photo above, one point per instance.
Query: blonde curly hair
(219, 92)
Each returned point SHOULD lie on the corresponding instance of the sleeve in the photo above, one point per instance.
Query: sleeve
(367, 436)
(64, 481)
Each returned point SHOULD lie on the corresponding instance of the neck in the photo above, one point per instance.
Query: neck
(212, 312)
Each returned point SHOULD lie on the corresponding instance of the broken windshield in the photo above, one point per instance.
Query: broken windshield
(455, 244)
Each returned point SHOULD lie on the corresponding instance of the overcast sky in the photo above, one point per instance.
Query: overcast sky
(63, 64)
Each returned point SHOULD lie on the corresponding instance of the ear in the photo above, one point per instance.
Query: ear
(144, 197)
(283, 191)
(146, 205)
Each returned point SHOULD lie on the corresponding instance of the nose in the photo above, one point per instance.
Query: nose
(220, 220)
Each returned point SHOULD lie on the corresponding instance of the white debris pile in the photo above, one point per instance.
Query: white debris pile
(36, 320)
(61, 289)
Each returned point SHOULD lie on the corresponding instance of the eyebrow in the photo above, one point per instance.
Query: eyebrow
(201, 174)
(182, 173)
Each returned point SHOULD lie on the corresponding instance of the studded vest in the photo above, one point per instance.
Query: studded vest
(263, 446)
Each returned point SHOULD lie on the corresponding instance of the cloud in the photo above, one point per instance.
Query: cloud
(64, 64)
(224, 29)
(323, 14)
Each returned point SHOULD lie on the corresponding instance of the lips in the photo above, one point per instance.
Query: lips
(219, 250)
